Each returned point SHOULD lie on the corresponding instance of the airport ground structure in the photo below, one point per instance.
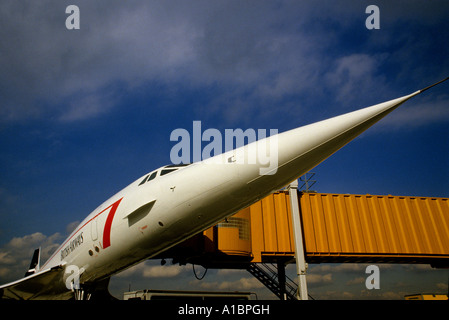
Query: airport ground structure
(291, 226)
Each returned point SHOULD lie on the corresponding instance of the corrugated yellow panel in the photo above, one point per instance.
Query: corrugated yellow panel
(418, 234)
(269, 224)
(364, 225)
(411, 228)
(320, 225)
(390, 224)
(442, 209)
(283, 222)
(440, 223)
(209, 241)
(357, 232)
(398, 225)
(271, 227)
(291, 242)
(426, 226)
(343, 224)
(307, 224)
(367, 225)
(332, 224)
(403, 223)
(257, 236)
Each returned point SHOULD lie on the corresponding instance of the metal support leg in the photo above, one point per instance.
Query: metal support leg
(301, 265)
(81, 294)
(281, 279)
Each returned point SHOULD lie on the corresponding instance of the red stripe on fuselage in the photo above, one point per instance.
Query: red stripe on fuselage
(108, 225)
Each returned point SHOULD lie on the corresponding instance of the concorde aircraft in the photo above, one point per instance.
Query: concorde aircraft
(170, 204)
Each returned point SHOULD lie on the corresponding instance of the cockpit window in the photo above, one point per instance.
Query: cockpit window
(143, 181)
(177, 165)
(152, 176)
(149, 177)
(166, 171)
(172, 167)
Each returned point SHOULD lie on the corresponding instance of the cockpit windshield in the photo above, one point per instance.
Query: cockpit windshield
(163, 171)
(167, 171)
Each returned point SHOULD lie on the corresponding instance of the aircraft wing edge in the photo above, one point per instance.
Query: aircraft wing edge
(41, 285)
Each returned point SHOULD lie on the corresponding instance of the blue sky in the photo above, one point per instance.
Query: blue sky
(85, 112)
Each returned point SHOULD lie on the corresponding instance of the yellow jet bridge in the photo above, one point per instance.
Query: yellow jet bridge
(295, 227)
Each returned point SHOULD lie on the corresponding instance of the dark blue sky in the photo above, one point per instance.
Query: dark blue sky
(85, 112)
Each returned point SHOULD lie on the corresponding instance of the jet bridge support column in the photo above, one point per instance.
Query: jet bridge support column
(301, 265)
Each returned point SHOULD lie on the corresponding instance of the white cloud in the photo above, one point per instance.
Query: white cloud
(319, 279)
(418, 114)
(18, 243)
(87, 106)
(443, 287)
(6, 258)
(338, 295)
(47, 68)
(15, 256)
(71, 226)
(134, 270)
(244, 283)
(355, 75)
(71, 74)
(341, 267)
(162, 271)
(147, 269)
(256, 53)
(356, 281)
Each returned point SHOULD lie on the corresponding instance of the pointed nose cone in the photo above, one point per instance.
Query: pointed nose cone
(301, 149)
(326, 137)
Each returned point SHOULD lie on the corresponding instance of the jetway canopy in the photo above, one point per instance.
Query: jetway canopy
(375, 228)
(335, 228)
